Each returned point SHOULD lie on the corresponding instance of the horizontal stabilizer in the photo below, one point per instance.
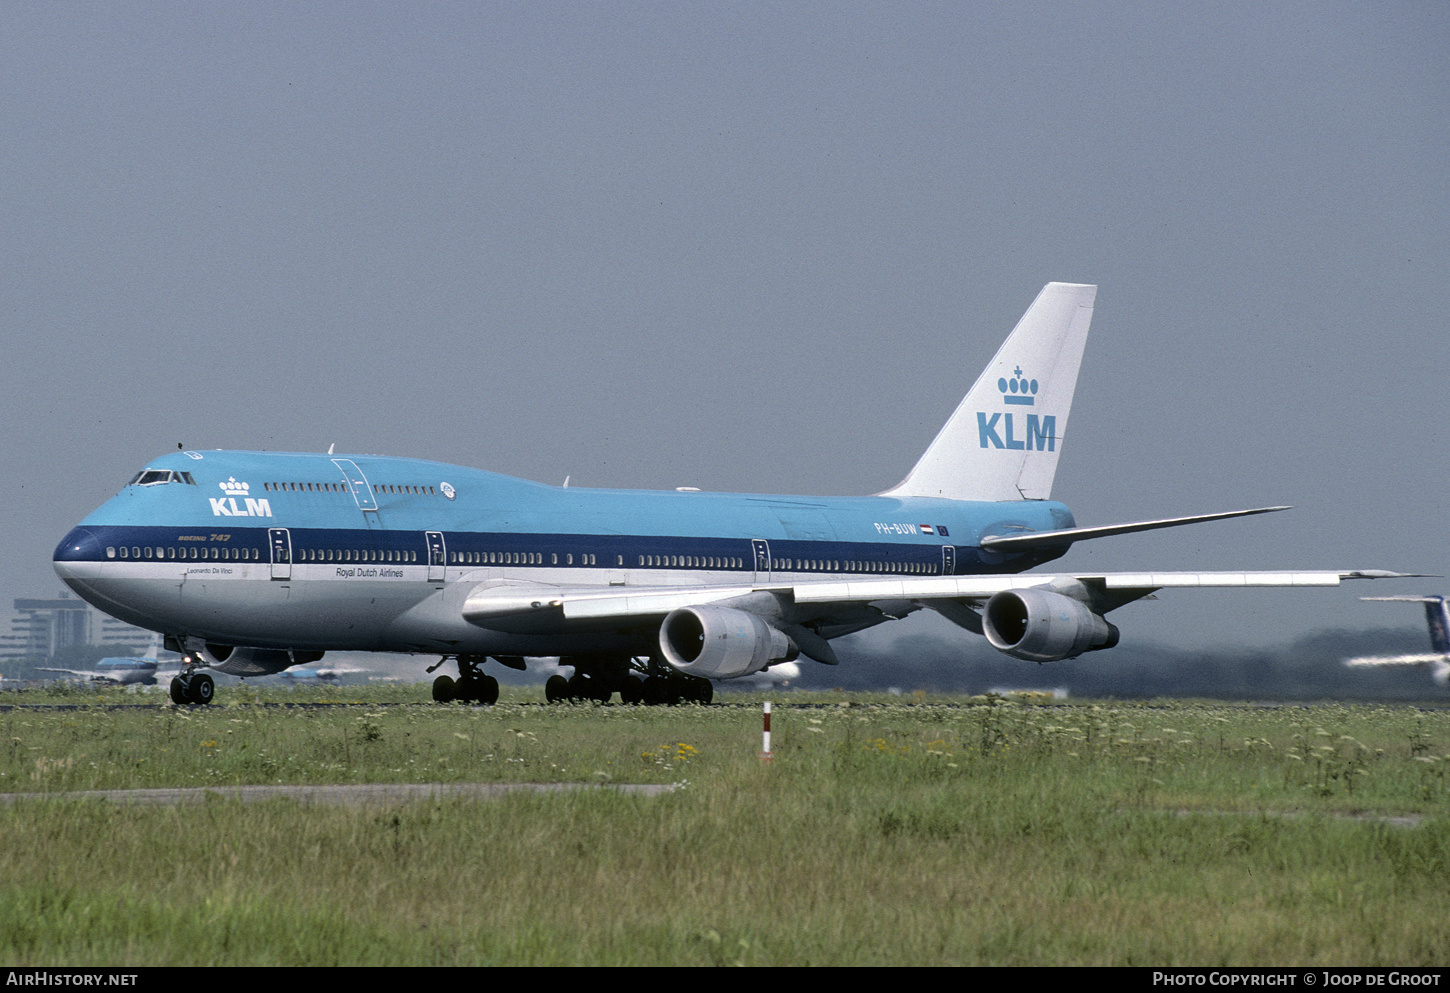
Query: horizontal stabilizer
(1409, 597)
(1044, 539)
(1368, 660)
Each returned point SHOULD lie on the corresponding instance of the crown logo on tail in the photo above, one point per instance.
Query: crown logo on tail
(1019, 390)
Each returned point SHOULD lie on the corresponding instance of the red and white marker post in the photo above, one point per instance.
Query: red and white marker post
(765, 753)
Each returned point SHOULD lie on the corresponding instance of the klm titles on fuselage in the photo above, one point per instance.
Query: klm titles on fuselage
(1041, 433)
(227, 506)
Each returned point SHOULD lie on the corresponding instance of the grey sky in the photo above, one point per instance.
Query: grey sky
(745, 247)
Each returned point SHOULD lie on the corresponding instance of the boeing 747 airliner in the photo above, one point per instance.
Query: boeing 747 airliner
(252, 562)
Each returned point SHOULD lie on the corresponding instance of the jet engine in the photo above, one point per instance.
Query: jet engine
(721, 642)
(238, 661)
(1043, 627)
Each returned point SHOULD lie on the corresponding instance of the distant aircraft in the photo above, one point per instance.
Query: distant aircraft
(253, 562)
(122, 671)
(329, 673)
(1437, 617)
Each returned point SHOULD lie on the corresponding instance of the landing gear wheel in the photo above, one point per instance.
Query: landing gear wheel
(466, 689)
(556, 689)
(654, 691)
(444, 689)
(487, 691)
(578, 688)
(631, 690)
(178, 691)
(702, 691)
(202, 689)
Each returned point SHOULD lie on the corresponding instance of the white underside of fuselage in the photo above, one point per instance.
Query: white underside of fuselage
(355, 606)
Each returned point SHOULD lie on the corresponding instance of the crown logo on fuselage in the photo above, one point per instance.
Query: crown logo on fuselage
(1018, 390)
(233, 488)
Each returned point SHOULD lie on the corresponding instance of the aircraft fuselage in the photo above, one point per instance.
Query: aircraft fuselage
(372, 553)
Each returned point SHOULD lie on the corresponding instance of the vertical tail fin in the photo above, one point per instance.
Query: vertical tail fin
(1003, 441)
(1437, 616)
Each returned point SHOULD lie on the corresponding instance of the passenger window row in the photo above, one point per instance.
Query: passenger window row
(820, 565)
(690, 562)
(304, 487)
(343, 488)
(356, 555)
(698, 562)
(243, 554)
(516, 558)
(221, 553)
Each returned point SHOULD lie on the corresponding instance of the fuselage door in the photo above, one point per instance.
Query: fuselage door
(949, 560)
(437, 556)
(280, 540)
(358, 483)
(761, 547)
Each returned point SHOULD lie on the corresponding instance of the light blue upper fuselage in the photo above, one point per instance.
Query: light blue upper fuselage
(287, 490)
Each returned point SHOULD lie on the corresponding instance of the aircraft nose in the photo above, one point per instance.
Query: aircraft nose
(81, 545)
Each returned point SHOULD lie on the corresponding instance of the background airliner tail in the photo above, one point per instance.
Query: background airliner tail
(1003, 441)
(1437, 618)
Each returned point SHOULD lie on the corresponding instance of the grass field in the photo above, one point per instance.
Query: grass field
(885, 831)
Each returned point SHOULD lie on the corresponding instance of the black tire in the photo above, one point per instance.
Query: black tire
(202, 689)
(578, 687)
(487, 691)
(178, 690)
(631, 690)
(444, 689)
(466, 690)
(704, 692)
(556, 689)
(654, 691)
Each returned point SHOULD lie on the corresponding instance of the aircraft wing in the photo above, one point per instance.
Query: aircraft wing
(488, 605)
(811, 612)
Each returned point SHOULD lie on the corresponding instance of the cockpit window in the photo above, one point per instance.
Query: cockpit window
(152, 477)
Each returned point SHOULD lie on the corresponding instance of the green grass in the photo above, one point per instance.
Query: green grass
(883, 832)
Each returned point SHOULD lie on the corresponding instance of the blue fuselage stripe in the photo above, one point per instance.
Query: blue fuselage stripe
(583, 551)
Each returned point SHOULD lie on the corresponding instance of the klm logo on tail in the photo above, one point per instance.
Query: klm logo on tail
(227, 506)
(1018, 391)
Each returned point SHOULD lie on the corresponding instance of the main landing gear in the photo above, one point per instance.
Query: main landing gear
(471, 686)
(192, 687)
(647, 681)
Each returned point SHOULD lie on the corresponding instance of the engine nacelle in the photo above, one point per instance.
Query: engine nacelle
(721, 642)
(238, 661)
(1043, 627)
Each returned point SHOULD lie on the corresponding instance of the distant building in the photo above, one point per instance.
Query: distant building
(40, 628)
